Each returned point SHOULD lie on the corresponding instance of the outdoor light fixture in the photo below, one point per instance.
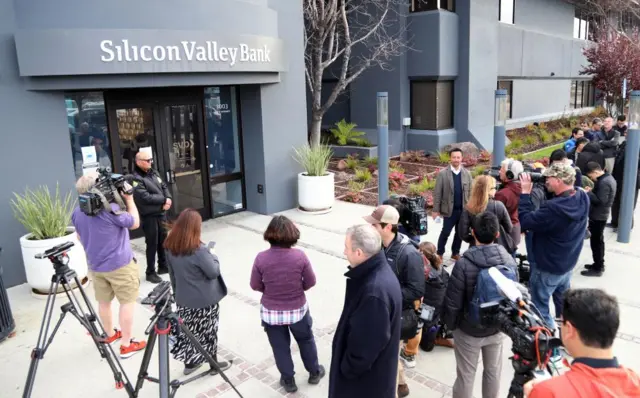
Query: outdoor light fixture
(501, 107)
(382, 107)
(634, 110)
(630, 175)
(499, 128)
(382, 103)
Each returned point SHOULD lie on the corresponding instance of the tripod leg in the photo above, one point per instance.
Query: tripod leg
(146, 359)
(163, 328)
(38, 352)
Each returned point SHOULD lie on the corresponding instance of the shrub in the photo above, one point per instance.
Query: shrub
(363, 175)
(530, 127)
(352, 162)
(564, 132)
(395, 167)
(478, 171)
(426, 184)
(313, 159)
(353, 197)
(43, 215)
(395, 180)
(542, 126)
(531, 140)
(469, 161)
(545, 137)
(411, 156)
(361, 142)
(370, 161)
(443, 157)
(485, 156)
(516, 144)
(344, 133)
(558, 136)
(518, 156)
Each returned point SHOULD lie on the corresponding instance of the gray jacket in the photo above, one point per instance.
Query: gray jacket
(601, 197)
(196, 279)
(443, 193)
(610, 143)
(496, 207)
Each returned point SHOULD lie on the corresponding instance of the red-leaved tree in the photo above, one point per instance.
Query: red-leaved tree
(612, 58)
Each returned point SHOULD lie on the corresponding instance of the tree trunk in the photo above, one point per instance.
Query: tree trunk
(316, 125)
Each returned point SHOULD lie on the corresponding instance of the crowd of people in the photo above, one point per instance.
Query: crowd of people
(391, 278)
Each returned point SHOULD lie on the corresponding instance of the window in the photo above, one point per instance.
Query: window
(506, 12)
(87, 122)
(431, 105)
(583, 94)
(431, 5)
(581, 26)
(507, 85)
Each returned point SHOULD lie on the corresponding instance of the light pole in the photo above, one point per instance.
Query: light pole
(499, 127)
(382, 106)
(630, 169)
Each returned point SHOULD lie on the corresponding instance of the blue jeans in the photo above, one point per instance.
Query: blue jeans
(544, 285)
(528, 240)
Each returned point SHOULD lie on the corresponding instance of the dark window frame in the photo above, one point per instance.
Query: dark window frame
(587, 94)
(513, 12)
(509, 95)
(432, 5)
(434, 122)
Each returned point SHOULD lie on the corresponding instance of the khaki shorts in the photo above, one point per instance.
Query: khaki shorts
(123, 283)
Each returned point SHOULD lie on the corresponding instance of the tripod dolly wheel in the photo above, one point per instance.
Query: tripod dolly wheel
(119, 385)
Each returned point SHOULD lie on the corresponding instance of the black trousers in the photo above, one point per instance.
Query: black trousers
(449, 224)
(617, 201)
(154, 235)
(597, 243)
(280, 340)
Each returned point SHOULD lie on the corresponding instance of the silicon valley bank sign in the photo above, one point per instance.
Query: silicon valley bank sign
(57, 52)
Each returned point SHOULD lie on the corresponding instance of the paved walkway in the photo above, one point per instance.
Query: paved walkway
(73, 368)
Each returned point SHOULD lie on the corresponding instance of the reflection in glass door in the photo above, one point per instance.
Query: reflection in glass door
(135, 130)
(184, 147)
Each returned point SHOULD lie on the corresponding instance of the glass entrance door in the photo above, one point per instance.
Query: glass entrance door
(174, 131)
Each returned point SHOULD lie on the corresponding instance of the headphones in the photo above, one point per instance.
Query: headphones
(508, 173)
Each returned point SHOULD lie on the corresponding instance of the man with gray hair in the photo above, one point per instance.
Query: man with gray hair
(364, 357)
(113, 269)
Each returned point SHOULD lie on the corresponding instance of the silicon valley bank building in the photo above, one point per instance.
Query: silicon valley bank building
(215, 87)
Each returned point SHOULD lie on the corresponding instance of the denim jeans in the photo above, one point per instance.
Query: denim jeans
(543, 286)
(528, 240)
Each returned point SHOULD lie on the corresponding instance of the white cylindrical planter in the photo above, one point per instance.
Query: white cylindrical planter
(40, 271)
(316, 193)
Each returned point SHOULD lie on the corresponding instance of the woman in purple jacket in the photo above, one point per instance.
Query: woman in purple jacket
(283, 274)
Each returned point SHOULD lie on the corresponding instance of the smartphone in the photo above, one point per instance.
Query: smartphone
(211, 245)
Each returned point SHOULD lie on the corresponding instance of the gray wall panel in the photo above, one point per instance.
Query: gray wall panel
(253, 145)
(538, 97)
(553, 17)
(424, 34)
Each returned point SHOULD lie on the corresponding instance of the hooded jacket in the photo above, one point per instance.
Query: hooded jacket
(601, 198)
(585, 381)
(462, 283)
(406, 262)
(590, 153)
(558, 227)
(364, 355)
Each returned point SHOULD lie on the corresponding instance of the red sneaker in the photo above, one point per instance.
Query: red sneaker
(131, 349)
(116, 336)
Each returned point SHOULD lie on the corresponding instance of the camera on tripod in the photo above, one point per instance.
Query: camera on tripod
(107, 189)
(412, 214)
(159, 295)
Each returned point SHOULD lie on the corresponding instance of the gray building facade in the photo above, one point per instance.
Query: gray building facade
(460, 52)
(214, 87)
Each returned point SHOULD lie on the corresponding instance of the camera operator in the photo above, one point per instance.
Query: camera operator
(406, 262)
(509, 194)
(105, 238)
(153, 199)
(558, 235)
(590, 321)
(395, 202)
(470, 337)
(560, 156)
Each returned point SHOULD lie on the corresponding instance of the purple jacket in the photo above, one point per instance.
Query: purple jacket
(282, 275)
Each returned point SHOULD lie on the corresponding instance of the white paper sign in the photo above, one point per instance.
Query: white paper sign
(89, 154)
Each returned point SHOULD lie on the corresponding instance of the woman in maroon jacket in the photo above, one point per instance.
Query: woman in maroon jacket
(509, 194)
(283, 273)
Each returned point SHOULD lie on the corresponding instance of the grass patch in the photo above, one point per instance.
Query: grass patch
(544, 152)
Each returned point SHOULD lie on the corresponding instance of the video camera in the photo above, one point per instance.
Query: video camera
(159, 295)
(412, 214)
(106, 190)
(532, 341)
(536, 176)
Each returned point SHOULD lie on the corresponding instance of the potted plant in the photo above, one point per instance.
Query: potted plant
(46, 218)
(316, 183)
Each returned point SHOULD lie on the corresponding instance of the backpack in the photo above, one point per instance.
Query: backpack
(487, 290)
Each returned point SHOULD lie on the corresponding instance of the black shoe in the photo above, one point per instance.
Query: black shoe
(224, 365)
(163, 270)
(611, 225)
(153, 278)
(589, 266)
(314, 378)
(289, 385)
(592, 272)
(188, 369)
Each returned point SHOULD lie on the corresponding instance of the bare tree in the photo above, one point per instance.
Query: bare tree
(352, 35)
(610, 14)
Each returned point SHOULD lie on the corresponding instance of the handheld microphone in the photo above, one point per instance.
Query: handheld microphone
(506, 286)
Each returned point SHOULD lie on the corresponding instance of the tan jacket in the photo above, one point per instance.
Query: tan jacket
(443, 193)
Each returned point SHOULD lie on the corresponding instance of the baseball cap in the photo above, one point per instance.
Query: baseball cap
(562, 171)
(383, 214)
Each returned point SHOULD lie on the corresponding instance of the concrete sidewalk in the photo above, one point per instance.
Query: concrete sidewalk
(73, 368)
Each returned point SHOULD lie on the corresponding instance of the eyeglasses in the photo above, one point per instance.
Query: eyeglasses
(147, 160)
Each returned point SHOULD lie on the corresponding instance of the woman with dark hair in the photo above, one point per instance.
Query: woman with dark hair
(198, 288)
(283, 273)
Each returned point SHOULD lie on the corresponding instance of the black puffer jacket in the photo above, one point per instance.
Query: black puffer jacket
(149, 192)
(406, 262)
(463, 282)
(590, 153)
(601, 197)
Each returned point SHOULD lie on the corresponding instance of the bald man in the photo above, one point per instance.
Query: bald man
(153, 199)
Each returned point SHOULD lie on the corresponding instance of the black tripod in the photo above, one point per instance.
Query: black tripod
(158, 330)
(64, 276)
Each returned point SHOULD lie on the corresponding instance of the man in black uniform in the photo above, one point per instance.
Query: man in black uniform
(153, 199)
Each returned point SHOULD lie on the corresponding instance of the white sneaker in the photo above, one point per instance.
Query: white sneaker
(408, 360)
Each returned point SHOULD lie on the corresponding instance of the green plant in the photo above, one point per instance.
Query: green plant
(564, 132)
(558, 136)
(478, 171)
(361, 142)
(313, 159)
(411, 156)
(516, 144)
(363, 175)
(485, 156)
(355, 186)
(370, 161)
(426, 184)
(395, 180)
(352, 162)
(545, 137)
(395, 167)
(43, 215)
(343, 132)
(519, 157)
(443, 157)
(531, 140)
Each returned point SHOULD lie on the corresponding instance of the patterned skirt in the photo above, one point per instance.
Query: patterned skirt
(203, 323)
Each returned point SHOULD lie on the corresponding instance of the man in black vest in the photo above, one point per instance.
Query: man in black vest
(153, 199)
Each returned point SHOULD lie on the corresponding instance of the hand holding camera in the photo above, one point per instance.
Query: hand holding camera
(525, 183)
